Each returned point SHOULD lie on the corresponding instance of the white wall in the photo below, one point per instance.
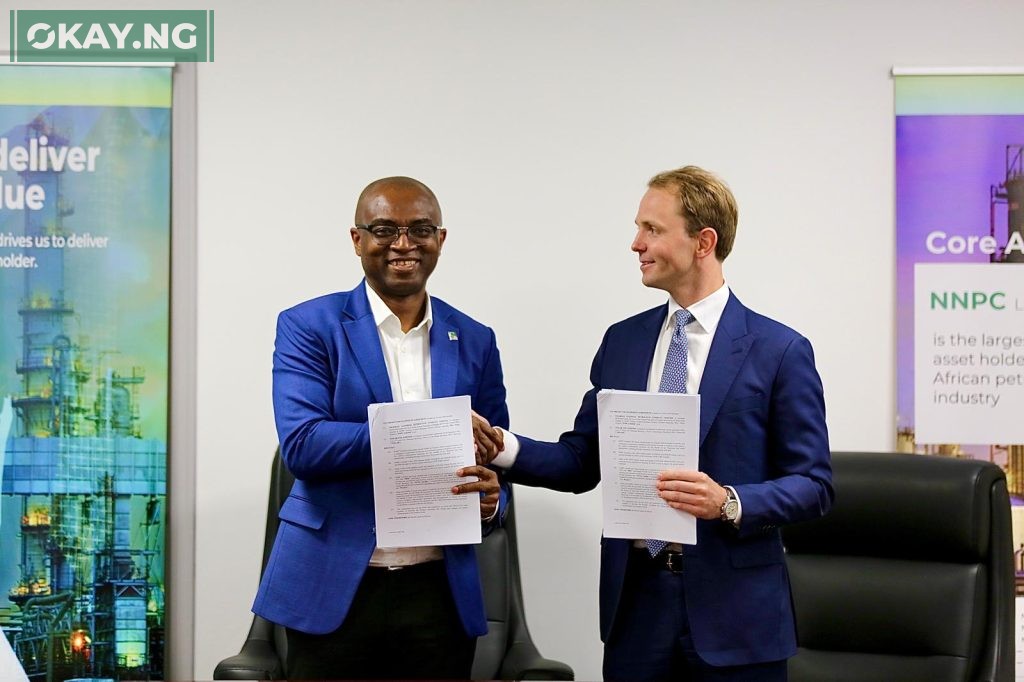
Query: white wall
(537, 124)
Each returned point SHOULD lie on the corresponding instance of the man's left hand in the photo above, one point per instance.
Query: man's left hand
(691, 491)
(487, 485)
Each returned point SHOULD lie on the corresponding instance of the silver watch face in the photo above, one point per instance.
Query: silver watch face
(730, 509)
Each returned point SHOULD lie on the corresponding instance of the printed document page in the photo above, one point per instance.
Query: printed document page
(642, 434)
(415, 449)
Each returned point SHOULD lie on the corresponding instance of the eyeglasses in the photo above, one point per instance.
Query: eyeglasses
(389, 234)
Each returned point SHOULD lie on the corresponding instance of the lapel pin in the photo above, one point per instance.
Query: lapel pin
(453, 336)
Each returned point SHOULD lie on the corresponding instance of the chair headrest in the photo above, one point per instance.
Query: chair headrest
(919, 507)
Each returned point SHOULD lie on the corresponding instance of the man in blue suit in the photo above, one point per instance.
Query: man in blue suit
(353, 610)
(720, 609)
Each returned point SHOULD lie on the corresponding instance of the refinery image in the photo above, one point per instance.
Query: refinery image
(82, 485)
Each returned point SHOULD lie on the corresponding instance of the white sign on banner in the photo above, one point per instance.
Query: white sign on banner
(968, 353)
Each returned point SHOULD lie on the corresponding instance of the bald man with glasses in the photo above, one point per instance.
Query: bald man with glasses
(353, 610)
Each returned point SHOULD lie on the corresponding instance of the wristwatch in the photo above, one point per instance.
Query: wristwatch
(730, 509)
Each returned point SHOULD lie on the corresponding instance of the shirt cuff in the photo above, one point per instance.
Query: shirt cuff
(494, 515)
(507, 457)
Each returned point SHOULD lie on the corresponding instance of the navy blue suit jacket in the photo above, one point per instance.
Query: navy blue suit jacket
(328, 367)
(762, 430)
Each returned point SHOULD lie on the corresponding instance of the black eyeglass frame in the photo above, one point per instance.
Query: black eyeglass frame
(399, 231)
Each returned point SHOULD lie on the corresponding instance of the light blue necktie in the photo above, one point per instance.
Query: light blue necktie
(673, 380)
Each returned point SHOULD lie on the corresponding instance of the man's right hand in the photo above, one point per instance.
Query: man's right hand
(487, 440)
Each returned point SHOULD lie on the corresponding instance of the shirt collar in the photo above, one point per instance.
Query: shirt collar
(706, 312)
(382, 315)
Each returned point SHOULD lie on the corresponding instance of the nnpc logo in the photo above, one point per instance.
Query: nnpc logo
(111, 35)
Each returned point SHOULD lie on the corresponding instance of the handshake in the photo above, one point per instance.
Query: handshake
(488, 440)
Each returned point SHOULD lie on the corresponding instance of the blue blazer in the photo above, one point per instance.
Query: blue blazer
(328, 366)
(762, 430)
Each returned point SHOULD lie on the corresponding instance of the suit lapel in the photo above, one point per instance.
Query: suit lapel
(444, 351)
(729, 349)
(364, 342)
(640, 355)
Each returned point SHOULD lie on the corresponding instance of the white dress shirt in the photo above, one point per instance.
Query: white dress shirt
(699, 334)
(407, 356)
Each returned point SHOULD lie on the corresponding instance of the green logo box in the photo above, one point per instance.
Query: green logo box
(111, 35)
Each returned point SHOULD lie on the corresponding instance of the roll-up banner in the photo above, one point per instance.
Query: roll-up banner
(960, 270)
(84, 303)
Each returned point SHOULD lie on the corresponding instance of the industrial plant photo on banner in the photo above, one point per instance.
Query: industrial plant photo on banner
(84, 321)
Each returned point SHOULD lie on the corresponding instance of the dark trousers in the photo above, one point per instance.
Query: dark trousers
(646, 649)
(402, 625)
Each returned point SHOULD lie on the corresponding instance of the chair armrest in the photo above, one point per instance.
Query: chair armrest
(258, 659)
(523, 662)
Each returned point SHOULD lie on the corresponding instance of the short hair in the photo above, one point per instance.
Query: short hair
(705, 201)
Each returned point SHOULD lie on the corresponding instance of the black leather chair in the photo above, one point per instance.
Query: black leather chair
(506, 652)
(909, 577)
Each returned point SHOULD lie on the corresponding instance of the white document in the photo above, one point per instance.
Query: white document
(641, 434)
(415, 449)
